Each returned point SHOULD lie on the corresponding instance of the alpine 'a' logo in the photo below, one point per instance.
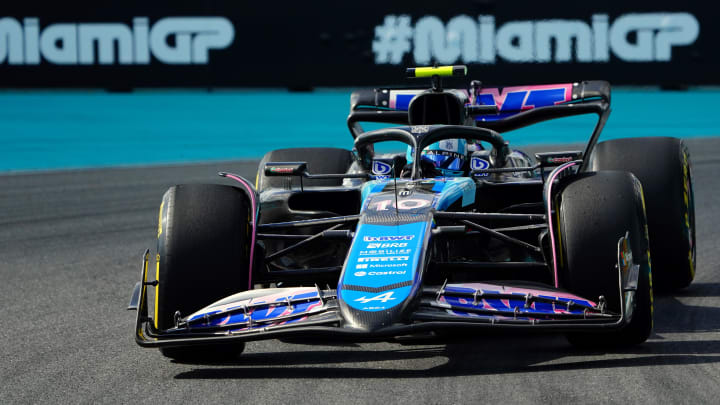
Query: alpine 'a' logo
(384, 297)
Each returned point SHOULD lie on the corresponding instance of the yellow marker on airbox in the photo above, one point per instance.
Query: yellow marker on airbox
(458, 70)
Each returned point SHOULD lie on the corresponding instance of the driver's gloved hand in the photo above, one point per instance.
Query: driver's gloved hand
(406, 171)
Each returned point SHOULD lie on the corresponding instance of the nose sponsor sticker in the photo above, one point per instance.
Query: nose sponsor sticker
(383, 259)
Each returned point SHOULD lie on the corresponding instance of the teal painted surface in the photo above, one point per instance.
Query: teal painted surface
(51, 130)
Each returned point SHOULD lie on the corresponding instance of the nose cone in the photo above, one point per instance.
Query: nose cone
(381, 276)
(371, 309)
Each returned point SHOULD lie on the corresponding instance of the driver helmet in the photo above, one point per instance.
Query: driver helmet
(448, 156)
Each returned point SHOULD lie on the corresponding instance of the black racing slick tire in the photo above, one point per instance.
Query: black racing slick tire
(319, 161)
(662, 165)
(595, 210)
(202, 255)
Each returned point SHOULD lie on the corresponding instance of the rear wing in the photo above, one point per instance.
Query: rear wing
(391, 105)
(515, 107)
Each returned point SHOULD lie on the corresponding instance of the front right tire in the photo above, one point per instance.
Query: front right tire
(595, 210)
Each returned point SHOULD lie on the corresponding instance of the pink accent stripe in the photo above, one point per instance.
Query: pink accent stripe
(269, 299)
(253, 206)
(519, 290)
(550, 220)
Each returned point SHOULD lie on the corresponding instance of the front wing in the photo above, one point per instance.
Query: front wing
(312, 312)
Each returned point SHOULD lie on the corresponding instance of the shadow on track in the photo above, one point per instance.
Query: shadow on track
(691, 310)
(698, 290)
(496, 353)
(461, 360)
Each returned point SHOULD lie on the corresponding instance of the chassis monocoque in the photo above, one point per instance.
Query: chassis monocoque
(359, 245)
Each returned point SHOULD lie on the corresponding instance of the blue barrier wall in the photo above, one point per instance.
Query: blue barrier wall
(51, 130)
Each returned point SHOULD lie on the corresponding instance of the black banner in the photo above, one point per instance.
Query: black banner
(130, 44)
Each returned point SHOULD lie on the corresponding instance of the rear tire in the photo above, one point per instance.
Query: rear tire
(203, 255)
(662, 165)
(319, 161)
(595, 211)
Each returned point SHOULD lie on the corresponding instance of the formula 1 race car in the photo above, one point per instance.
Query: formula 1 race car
(363, 245)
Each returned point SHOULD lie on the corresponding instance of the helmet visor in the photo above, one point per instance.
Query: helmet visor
(443, 159)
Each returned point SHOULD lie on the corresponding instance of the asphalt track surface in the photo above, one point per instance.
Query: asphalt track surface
(70, 249)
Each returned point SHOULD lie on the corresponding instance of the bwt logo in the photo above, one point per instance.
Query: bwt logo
(387, 238)
(172, 40)
(636, 37)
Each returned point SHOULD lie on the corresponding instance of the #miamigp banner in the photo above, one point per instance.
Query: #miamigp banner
(187, 44)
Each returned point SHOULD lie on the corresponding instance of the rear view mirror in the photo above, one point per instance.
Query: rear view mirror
(285, 168)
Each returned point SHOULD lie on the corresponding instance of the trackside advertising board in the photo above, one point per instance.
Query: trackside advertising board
(239, 44)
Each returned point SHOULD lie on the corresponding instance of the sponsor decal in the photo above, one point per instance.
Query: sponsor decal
(519, 98)
(387, 238)
(383, 259)
(380, 273)
(386, 273)
(373, 252)
(632, 37)
(170, 40)
(477, 163)
(419, 129)
(381, 168)
(626, 258)
(507, 99)
(386, 245)
(443, 152)
(389, 255)
(280, 169)
(449, 144)
(564, 159)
